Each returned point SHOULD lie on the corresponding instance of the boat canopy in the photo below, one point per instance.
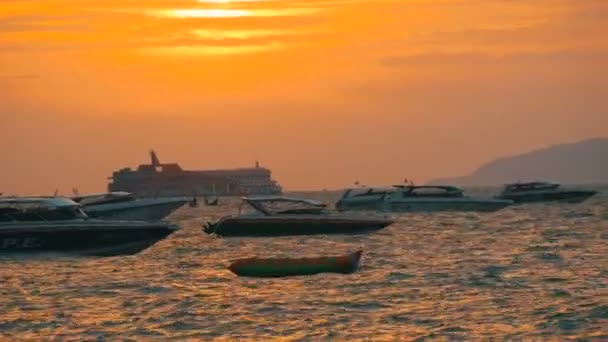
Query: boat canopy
(446, 188)
(273, 205)
(106, 197)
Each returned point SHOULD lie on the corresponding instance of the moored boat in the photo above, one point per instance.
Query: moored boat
(58, 225)
(284, 216)
(283, 267)
(532, 192)
(412, 198)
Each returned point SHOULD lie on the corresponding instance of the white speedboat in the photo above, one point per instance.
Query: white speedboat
(411, 198)
(33, 225)
(543, 192)
(125, 206)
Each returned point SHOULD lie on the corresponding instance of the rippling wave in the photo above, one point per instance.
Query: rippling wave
(532, 272)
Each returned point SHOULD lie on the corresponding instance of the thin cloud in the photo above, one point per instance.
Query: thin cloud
(45, 23)
(21, 76)
(476, 58)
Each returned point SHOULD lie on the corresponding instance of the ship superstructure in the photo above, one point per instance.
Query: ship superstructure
(169, 179)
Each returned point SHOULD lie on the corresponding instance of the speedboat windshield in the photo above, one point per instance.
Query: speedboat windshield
(39, 209)
(360, 192)
(103, 198)
(37, 202)
(284, 205)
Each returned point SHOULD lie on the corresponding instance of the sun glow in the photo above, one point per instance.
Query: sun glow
(180, 51)
(229, 13)
(202, 13)
(230, 1)
(241, 34)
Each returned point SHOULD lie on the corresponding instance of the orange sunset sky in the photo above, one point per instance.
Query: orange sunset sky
(322, 92)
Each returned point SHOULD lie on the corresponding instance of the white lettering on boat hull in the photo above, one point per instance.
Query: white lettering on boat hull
(19, 243)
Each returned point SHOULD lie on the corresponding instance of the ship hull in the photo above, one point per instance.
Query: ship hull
(85, 238)
(560, 196)
(298, 225)
(432, 205)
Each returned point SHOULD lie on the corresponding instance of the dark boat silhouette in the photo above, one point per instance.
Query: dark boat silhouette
(543, 192)
(283, 267)
(58, 225)
(284, 216)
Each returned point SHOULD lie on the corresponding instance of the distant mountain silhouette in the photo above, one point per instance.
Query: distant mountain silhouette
(584, 162)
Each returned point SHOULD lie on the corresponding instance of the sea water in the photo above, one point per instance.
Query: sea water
(527, 272)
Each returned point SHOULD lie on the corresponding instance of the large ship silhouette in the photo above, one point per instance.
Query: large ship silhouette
(169, 179)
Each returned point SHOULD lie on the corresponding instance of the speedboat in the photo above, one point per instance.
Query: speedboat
(283, 216)
(543, 192)
(412, 198)
(124, 206)
(33, 225)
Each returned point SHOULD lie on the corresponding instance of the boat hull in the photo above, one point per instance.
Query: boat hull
(299, 225)
(86, 238)
(427, 205)
(256, 267)
(577, 196)
(138, 210)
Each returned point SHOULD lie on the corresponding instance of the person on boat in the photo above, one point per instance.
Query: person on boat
(194, 202)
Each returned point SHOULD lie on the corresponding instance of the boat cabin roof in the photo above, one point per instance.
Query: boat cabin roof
(103, 194)
(272, 205)
(413, 190)
(431, 191)
(365, 191)
(105, 197)
(37, 202)
(446, 188)
(39, 209)
(530, 186)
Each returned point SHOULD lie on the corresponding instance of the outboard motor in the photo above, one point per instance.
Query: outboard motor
(209, 228)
